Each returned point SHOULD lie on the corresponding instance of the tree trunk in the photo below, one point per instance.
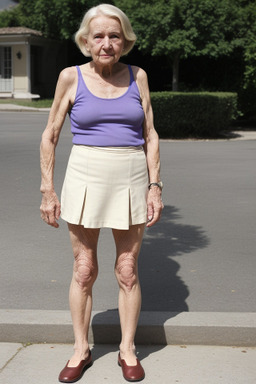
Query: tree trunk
(175, 72)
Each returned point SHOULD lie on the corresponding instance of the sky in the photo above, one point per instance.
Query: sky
(7, 3)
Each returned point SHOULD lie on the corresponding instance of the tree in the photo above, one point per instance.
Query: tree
(9, 17)
(176, 29)
(180, 29)
(57, 19)
(249, 26)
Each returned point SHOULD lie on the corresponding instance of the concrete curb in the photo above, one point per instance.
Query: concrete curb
(162, 328)
(21, 108)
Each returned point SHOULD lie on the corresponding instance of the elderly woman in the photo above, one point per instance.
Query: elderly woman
(112, 178)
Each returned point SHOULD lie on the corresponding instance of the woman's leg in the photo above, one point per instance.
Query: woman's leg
(128, 245)
(84, 243)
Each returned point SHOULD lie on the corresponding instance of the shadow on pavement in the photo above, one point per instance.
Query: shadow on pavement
(162, 288)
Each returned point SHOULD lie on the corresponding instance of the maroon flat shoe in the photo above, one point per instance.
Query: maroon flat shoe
(131, 372)
(72, 374)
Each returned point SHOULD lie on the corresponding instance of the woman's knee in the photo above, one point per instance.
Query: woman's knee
(85, 271)
(126, 271)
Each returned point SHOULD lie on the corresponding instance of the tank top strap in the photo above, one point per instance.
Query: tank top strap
(79, 73)
(131, 74)
(81, 86)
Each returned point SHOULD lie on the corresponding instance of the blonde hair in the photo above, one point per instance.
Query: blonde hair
(110, 11)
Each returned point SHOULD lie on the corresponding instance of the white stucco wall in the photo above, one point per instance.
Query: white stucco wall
(20, 69)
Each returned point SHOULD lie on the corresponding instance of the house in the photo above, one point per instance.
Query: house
(29, 63)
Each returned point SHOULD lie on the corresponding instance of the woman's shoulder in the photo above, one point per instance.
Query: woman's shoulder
(67, 82)
(68, 75)
(139, 74)
(141, 78)
(138, 71)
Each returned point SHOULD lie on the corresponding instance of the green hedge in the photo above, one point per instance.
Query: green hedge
(200, 114)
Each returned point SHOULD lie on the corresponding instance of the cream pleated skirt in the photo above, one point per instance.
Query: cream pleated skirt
(105, 187)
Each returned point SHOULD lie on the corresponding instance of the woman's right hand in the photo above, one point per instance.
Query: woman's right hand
(50, 208)
(64, 97)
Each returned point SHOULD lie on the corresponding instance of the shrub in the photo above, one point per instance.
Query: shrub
(202, 114)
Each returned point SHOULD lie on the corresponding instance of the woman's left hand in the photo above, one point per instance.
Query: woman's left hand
(155, 205)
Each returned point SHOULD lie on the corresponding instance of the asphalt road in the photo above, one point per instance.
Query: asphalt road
(200, 257)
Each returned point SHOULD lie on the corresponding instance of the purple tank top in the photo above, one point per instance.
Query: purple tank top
(116, 122)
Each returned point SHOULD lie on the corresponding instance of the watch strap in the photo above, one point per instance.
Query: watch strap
(159, 185)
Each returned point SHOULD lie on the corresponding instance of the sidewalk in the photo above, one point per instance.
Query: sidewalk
(41, 364)
(21, 108)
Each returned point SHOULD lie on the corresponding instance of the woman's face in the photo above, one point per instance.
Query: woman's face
(105, 40)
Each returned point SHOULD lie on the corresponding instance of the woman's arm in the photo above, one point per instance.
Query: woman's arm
(64, 97)
(155, 204)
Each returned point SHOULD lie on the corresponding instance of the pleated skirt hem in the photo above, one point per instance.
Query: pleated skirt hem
(105, 187)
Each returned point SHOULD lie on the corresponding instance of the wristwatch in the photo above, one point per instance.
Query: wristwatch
(159, 185)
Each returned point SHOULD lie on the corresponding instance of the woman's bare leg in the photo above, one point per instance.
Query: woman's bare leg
(84, 243)
(128, 245)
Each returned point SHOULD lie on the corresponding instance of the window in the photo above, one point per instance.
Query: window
(5, 69)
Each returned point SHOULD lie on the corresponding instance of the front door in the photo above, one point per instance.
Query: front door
(6, 69)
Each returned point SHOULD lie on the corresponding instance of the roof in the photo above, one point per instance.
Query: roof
(19, 31)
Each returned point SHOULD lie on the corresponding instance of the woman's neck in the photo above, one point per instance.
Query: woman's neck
(104, 72)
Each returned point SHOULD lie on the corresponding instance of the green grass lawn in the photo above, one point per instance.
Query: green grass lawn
(44, 103)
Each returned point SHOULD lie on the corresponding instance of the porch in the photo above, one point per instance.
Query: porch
(29, 63)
